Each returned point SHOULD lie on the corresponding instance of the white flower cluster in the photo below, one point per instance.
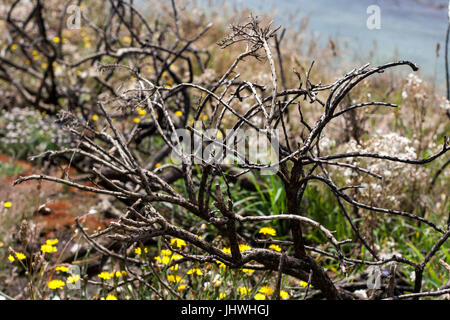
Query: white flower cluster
(445, 104)
(24, 131)
(397, 177)
(414, 87)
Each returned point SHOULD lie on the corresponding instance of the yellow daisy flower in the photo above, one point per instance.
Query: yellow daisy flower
(244, 247)
(284, 295)
(173, 278)
(178, 242)
(141, 111)
(52, 242)
(195, 271)
(303, 283)
(163, 259)
(20, 255)
(105, 275)
(249, 271)
(243, 290)
(221, 264)
(268, 231)
(166, 252)
(275, 247)
(226, 250)
(62, 268)
(266, 290)
(73, 279)
(259, 296)
(56, 284)
(176, 256)
(138, 251)
(48, 248)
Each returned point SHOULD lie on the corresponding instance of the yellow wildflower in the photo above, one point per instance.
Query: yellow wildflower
(119, 274)
(303, 283)
(141, 111)
(179, 113)
(176, 256)
(284, 295)
(109, 297)
(226, 250)
(136, 120)
(244, 247)
(105, 275)
(266, 290)
(259, 296)
(275, 247)
(20, 255)
(221, 264)
(195, 271)
(174, 268)
(48, 248)
(166, 252)
(56, 284)
(178, 242)
(163, 259)
(268, 231)
(249, 271)
(243, 290)
(56, 39)
(73, 279)
(7, 204)
(13, 47)
(204, 117)
(11, 258)
(222, 295)
(95, 117)
(173, 278)
(157, 165)
(138, 251)
(51, 242)
(62, 268)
